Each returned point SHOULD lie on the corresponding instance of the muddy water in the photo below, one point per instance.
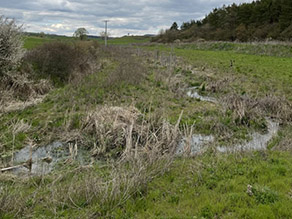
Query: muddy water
(45, 159)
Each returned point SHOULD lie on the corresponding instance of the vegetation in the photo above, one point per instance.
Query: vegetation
(11, 51)
(81, 33)
(126, 109)
(258, 20)
(253, 185)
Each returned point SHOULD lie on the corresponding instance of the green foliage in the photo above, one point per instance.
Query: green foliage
(174, 26)
(258, 20)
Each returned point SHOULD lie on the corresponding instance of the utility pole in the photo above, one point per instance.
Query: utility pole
(105, 32)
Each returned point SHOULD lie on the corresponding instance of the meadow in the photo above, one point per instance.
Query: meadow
(145, 85)
(31, 42)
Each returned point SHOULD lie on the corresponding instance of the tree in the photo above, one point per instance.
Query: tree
(42, 34)
(81, 33)
(11, 45)
(174, 26)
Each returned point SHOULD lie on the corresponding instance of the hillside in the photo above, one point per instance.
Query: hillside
(256, 21)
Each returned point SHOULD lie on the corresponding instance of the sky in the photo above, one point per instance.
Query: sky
(136, 17)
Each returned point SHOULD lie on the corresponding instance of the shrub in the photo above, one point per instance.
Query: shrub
(11, 51)
(61, 61)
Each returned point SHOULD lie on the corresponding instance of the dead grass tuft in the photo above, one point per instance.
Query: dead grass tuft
(245, 108)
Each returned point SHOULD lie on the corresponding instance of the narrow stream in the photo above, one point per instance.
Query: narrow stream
(258, 142)
(199, 143)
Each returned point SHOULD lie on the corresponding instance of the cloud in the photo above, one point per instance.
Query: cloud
(138, 17)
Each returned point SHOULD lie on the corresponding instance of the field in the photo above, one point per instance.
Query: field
(34, 41)
(139, 93)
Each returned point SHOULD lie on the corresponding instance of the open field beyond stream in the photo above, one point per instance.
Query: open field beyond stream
(144, 130)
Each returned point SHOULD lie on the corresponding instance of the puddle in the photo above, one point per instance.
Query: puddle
(197, 144)
(44, 159)
(258, 142)
(194, 94)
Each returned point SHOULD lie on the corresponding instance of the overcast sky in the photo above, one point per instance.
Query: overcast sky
(136, 17)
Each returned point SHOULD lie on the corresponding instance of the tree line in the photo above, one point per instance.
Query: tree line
(259, 20)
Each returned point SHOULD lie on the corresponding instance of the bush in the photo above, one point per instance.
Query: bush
(60, 61)
(11, 51)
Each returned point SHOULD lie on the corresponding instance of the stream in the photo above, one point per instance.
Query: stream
(44, 159)
(199, 143)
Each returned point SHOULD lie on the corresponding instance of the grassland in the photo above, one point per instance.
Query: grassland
(216, 186)
(255, 72)
(33, 41)
(212, 185)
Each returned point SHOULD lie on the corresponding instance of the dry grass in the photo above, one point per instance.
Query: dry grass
(245, 108)
(17, 92)
(113, 132)
(148, 151)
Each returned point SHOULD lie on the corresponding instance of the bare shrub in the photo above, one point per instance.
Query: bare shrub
(11, 51)
(62, 61)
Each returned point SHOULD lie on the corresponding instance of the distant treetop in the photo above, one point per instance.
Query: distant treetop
(81, 33)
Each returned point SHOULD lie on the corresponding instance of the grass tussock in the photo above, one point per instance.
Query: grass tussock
(148, 152)
(245, 109)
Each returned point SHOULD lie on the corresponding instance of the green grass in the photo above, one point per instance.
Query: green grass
(31, 42)
(216, 186)
(254, 74)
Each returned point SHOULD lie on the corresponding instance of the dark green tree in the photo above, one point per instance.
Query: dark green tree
(174, 26)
